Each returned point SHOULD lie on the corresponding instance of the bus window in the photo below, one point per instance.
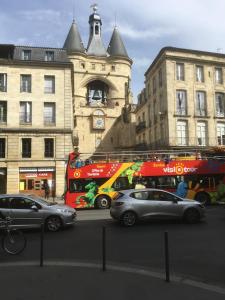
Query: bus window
(166, 182)
(121, 183)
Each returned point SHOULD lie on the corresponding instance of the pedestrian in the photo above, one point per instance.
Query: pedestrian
(46, 189)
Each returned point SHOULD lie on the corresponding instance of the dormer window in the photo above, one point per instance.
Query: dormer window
(49, 55)
(26, 55)
(113, 68)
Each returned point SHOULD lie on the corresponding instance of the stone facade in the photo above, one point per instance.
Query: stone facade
(26, 115)
(182, 105)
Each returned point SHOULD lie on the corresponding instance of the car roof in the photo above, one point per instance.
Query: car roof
(141, 190)
(16, 195)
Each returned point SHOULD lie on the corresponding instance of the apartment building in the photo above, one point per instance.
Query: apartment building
(183, 103)
(35, 118)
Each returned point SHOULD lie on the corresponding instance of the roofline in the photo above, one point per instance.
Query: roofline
(18, 62)
(175, 49)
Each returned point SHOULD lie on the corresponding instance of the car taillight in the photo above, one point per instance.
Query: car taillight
(118, 203)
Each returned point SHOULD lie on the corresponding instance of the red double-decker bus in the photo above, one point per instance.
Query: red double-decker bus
(94, 183)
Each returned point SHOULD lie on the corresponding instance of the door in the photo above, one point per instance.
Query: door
(166, 204)
(22, 213)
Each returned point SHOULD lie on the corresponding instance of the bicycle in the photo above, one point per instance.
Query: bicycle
(13, 240)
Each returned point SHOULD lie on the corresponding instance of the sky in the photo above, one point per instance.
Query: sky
(146, 26)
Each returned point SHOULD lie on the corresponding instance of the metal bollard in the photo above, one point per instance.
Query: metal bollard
(103, 250)
(167, 267)
(42, 245)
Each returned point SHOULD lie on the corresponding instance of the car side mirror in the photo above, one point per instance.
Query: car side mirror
(34, 207)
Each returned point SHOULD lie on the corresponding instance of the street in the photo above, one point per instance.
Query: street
(196, 251)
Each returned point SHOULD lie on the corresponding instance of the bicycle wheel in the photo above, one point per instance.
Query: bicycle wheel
(14, 242)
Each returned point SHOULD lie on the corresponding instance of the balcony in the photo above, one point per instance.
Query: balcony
(140, 126)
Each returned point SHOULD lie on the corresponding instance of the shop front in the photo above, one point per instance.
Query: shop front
(34, 181)
(3, 180)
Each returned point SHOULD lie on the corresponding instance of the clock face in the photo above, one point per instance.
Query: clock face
(99, 123)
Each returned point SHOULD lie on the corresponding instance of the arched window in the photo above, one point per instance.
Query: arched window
(96, 29)
(97, 93)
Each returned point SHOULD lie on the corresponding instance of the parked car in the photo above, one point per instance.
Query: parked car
(28, 211)
(129, 206)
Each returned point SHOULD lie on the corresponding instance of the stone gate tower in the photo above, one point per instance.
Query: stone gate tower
(100, 86)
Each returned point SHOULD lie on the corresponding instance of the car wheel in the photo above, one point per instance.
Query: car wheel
(53, 223)
(203, 198)
(129, 218)
(103, 202)
(192, 216)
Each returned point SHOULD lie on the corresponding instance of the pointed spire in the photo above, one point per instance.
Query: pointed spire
(73, 42)
(116, 46)
(95, 45)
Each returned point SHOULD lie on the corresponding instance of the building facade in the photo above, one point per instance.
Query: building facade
(101, 80)
(35, 118)
(183, 103)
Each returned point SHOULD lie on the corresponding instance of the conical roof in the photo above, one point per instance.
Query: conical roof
(73, 42)
(116, 46)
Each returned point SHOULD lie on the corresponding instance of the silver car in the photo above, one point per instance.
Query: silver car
(129, 206)
(29, 211)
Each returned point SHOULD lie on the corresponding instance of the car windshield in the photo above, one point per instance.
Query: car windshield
(42, 200)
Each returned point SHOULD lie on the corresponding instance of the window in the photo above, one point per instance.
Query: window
(113, 68)
(219, 75)
(49, 84)
(82, 65)
(220, 108)
(201, 133)
(93, 66)
(3, 82)
(2, 148)
(199, 74)
(3, 111)
(181, 103)
(49, 148)
(49, 55)
(103, 67)
(25, 112)
(25, 83)
(200, 103)
(26, 148)
(21, 203)
(182, 133)
(180, 71)
(49, 113)
(221, 133)
(4, 202)
(26, 55)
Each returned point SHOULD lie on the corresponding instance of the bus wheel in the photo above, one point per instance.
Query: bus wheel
(203, 198)
(102, 202)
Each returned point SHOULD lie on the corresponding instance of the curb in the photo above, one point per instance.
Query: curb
(113, 267)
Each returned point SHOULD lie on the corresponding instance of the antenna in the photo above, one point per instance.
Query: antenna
(73, 11)
(115, 19)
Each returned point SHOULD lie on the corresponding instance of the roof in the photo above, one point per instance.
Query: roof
(73, 42)
(36, 54)
(183, 50)
(116, 46)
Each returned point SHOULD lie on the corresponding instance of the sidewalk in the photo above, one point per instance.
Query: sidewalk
(70, 280)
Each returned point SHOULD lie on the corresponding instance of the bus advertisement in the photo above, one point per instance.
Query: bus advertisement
(94, 184)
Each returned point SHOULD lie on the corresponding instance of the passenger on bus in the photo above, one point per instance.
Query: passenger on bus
(182, 189)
